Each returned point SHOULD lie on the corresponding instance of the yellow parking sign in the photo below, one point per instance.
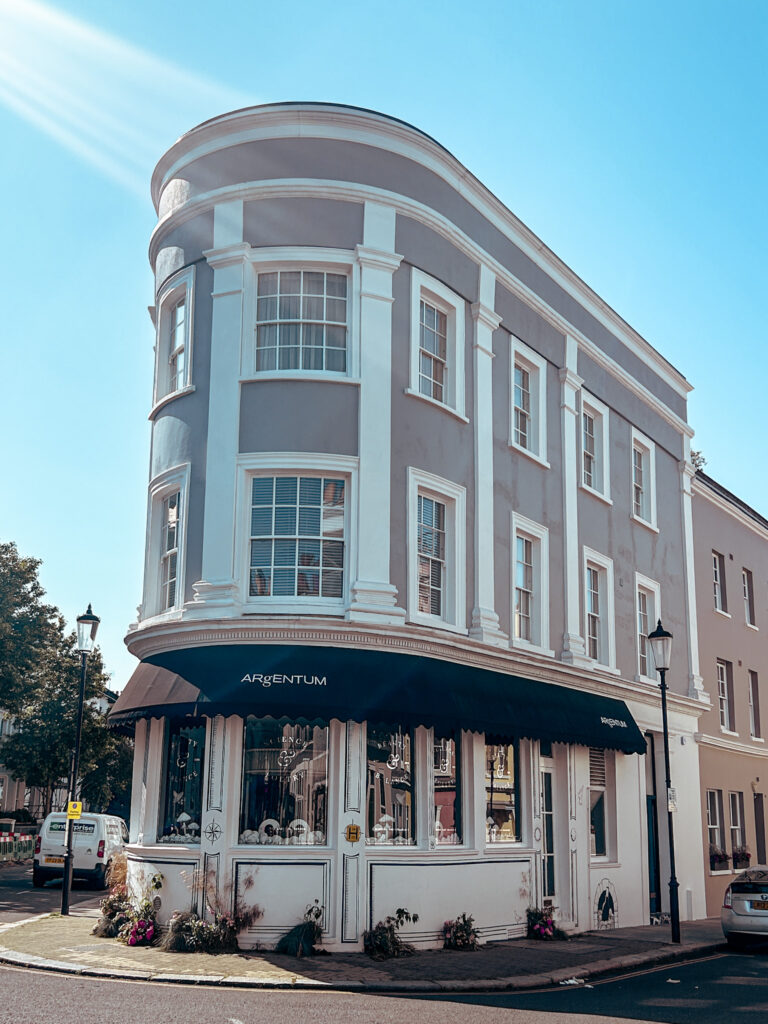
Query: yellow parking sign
(74, 809)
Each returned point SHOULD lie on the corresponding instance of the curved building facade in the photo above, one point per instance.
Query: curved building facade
(415, 493)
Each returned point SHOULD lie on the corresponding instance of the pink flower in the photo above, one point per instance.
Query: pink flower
(132, 940)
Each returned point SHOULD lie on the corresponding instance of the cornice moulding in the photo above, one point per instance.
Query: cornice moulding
(382, 132)
(699, 489)
(158, 637)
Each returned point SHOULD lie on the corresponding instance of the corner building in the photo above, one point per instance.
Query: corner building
(416, 495)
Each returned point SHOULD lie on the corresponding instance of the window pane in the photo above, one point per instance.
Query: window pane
(447, 792)
(390, 788)
(597, 823)
(181, 800)
(313, 282)
(501, 793)
(267, 284)
(290, 282)
(285, 784)
(336, 285)
(262, 489)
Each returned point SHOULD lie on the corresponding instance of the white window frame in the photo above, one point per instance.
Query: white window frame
(521, 355)
(270, 259)
(454, 498)
(161, 487)
(736, 801)
(601, 417)
(647, 449)
(179, 286)
(753, 696)
(539, 536)
(608, 789)
(714, 824)
(652, 591)
(607, 637)
(455, 308)
(748, 593)
(724, 701)
(293, 464)
(720, 591)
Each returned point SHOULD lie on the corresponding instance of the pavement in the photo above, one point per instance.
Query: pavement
(65, 944)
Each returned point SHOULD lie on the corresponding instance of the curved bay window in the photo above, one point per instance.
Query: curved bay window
(285, 784)
(182, 799)
(502, 823)
(390, 820)
(447, 791)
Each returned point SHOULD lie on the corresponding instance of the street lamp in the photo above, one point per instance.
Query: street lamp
(86, 635)
(661, 645)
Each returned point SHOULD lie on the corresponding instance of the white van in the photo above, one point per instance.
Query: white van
(96, 838)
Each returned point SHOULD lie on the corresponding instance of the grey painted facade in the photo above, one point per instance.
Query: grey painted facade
(342, 191)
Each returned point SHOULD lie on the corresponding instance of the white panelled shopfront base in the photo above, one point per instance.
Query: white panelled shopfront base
(491, 872)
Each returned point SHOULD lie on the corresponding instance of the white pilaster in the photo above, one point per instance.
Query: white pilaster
(574, 650)
(373, 598)
(485, 621)
(687, 473)
(217, 587)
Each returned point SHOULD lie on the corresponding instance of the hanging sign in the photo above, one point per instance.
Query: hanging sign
(74, 809)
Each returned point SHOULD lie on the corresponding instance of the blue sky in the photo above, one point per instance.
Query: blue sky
(631, 138)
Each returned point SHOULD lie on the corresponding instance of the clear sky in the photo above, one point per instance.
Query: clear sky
(631, 137)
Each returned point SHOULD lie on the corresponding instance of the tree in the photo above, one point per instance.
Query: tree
(40, 751)
(27, 624)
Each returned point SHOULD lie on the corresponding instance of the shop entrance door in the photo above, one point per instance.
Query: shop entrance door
(548, 838)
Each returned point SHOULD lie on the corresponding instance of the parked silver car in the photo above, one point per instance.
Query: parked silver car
(744, 914)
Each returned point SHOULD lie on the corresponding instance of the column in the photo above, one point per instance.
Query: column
(687, 473)
(574, 650)
(373, 597)
(217, 587)
(485, 621)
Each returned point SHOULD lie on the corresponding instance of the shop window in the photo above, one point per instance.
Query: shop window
(285, 784)
(447, 790)
(502, 792)
(389, 795)
(182, 798)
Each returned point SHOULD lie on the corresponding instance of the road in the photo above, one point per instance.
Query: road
(18, 898)
(724, 988)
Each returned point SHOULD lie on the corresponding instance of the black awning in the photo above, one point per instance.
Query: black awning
(313, 684)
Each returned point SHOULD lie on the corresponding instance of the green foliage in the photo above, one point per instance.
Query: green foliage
(26, 624)
(46, 720)
(383, 942)
(461, 933)
(302, 939)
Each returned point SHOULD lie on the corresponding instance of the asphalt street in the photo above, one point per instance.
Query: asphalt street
(19, 899)
(724, 988)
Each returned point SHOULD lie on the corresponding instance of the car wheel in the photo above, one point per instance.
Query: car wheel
(38, 879)
(734, 941)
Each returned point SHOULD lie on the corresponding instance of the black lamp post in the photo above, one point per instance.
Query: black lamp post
(86, 635)
(661, 645)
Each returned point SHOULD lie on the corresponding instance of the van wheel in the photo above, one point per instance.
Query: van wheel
(38, 880)
(100, 878)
